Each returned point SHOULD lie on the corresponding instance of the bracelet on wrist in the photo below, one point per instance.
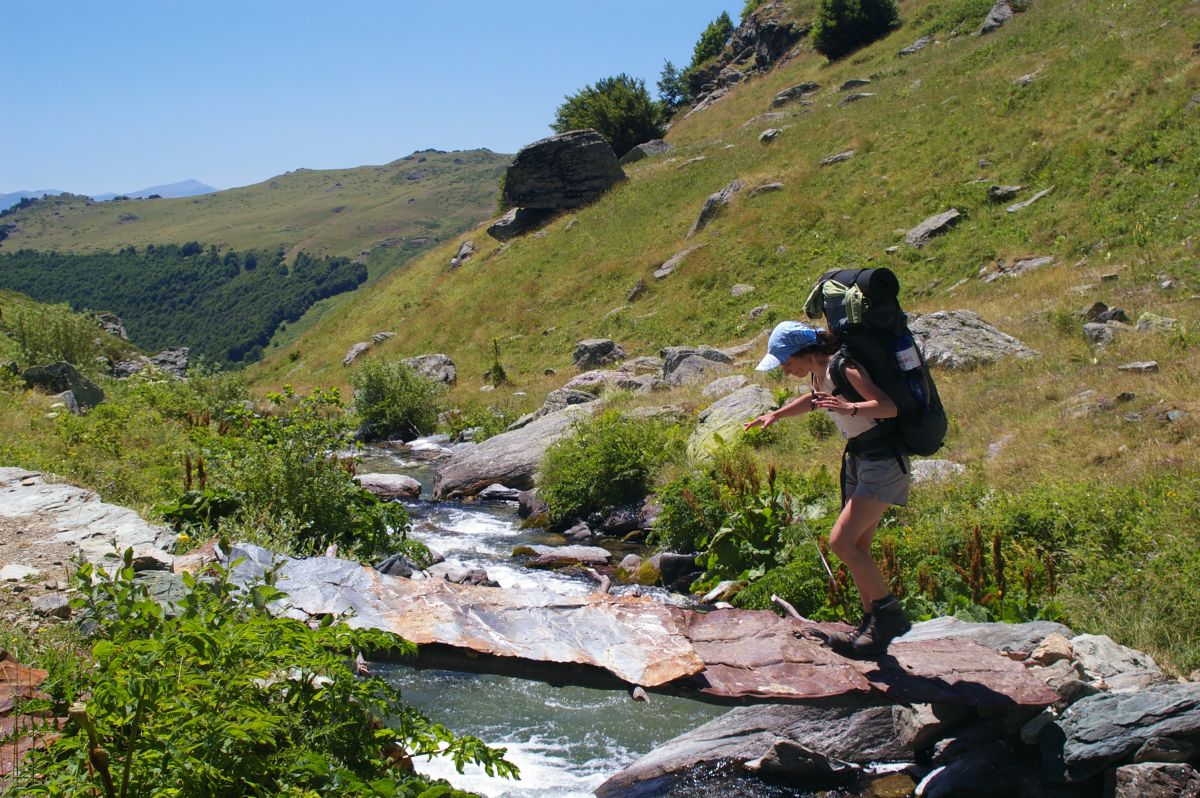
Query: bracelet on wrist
(854, 412)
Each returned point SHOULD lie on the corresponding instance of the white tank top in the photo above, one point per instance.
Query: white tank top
(849, 426)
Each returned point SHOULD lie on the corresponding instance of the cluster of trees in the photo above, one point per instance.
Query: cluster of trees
(621, 109)
(225, 306)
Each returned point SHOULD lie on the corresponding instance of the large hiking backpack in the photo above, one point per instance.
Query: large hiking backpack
(862, 308)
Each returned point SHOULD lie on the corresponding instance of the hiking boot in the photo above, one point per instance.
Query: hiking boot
(844, 641)
(888, 622)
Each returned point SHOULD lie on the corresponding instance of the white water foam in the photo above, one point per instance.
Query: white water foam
(546, 771)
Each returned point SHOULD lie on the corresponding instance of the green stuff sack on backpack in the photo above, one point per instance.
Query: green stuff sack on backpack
(862, 307)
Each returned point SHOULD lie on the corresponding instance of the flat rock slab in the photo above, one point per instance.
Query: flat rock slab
(757, 656)
(75, 521)
(390, 486)
(726, 656)
(563, 556)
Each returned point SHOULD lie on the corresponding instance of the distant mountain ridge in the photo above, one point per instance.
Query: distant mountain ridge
(184, 188)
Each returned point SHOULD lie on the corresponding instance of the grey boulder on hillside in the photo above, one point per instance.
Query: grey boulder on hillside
(959, 339)
(511, 458)
(562, 172)
(58, 377)
(438, 368)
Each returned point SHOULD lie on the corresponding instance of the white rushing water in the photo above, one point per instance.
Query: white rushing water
(566, 741)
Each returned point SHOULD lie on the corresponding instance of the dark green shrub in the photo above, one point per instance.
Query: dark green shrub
(712, 39)
(843, 26)
(609, 461)
(224, 699)
(692, 511)
(392, 399)
(49, 333)
(618, 108)
(802, 582)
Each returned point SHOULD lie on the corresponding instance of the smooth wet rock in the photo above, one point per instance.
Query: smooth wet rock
(529, 504)
(960, 339)
(499, 493)
(563, 556)
(390, 486)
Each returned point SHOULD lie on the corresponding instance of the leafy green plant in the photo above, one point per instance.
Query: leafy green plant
(49, 333)
(220, 698)
(619, 108)
(610, 460)
(391, 399)
(285, 466)
(843, 26)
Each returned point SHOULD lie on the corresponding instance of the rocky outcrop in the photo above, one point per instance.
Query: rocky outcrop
(436, 367)
(714, 205)
(646, 150)
(593, 353)
(798, 92)
(511, 458)
(519, 221)
(960, 339)
(67, 521)
(1000, 14)
(173, 361)
(935, 225)
(723, 420)
(789, 743)
(765, 37)
(672, 263)
(1110, 728)
(55, 378)
(464, 253)
(562, 172)
(1018, 267)
(355, 352)
(112, 324)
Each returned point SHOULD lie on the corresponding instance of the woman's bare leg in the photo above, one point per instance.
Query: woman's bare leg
(851, 539)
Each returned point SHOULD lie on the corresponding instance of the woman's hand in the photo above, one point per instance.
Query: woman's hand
(764, 421)
(835, 404)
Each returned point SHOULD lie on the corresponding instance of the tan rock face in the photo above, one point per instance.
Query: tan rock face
(1054, 648)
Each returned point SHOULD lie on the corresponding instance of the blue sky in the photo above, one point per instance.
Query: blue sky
(116, 95)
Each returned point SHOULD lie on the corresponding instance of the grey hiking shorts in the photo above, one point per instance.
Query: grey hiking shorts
(883, 480)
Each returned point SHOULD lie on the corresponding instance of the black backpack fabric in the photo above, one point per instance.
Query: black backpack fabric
(868, 339)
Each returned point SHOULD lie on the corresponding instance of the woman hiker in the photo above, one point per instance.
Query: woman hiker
(874, 476)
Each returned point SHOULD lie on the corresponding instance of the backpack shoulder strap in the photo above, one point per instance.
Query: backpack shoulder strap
(837, 373)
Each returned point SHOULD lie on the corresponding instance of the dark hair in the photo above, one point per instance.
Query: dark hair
(827, 344)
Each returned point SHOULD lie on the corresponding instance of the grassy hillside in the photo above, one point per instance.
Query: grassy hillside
(1105, 120)
(407, 205)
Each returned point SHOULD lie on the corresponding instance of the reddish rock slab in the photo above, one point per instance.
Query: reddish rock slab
(755, 656)
(758, 656)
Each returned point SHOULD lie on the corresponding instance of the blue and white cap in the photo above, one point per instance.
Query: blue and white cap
(788, 338)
